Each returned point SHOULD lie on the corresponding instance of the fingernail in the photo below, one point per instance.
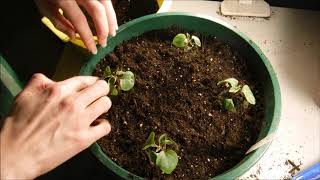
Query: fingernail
(113, 34)
(104, 44)
(94, 51)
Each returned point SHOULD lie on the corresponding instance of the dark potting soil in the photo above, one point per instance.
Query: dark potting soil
(176, 93)
(127, 11)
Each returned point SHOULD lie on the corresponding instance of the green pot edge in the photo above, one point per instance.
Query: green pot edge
(251, 159)
(11, 84)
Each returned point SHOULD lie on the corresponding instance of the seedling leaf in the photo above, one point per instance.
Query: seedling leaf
(128, 75)
(246, 91)
(228, 105)
(245, 104)
(230, 81)
(164, 140)
(107, 72)
(125, 74)
(167, 160)
(234, 89)
(126, 84)
(188, 35)
(196, 40)
(113, 91)
(112, 81)
(149, 142)
(152, 156)
(180, 40)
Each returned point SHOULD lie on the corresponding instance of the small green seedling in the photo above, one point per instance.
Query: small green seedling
(118, 80)
(231, 82)
(235, 88)
(229, 105)
(186, 41)
(166, 159)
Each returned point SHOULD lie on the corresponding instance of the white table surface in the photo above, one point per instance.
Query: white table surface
(290, 39)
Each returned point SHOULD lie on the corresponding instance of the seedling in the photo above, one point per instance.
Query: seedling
(118, 80)
(229, 105)
(186, 41)
(158, 154)
(234, 88)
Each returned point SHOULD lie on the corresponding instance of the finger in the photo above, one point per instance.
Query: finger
(111, 16)
(37, 84)
(97, 12)
(100, 128)
(78, 83)
(51, 11)
(98, 107)
(74, 14)
(62, 24)
(93, 92)
(38, 81)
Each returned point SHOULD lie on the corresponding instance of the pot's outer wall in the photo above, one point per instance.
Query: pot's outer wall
(257, 61)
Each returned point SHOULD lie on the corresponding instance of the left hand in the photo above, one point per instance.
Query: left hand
(73, 20)
(50, 122)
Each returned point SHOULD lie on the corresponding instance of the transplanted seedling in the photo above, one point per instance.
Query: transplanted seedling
(118, 80)
(158, 154)
(186, 41)
(235, 87)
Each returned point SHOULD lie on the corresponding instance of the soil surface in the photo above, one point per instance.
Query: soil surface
(176, 93)
(127, 11)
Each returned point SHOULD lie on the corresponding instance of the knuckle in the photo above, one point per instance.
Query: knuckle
(82, 83)
(68, 104)
(54, 91)
(38, 78)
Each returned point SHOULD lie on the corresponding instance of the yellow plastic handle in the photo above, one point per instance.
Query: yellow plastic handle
(65, 38)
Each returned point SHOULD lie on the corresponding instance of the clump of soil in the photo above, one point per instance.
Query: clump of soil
(127, 11)
(176, 93)
(294, 167)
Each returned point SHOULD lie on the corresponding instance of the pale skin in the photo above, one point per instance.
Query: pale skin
(74, 21)
(50, 122)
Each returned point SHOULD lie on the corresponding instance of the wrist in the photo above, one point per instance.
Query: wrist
(13, 164)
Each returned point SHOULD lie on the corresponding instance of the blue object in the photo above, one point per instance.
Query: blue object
(312, 173)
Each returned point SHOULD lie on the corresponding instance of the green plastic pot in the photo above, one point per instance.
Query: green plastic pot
(257, 62)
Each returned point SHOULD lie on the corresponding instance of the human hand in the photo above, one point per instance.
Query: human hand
(73, 19)
(50, 122)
